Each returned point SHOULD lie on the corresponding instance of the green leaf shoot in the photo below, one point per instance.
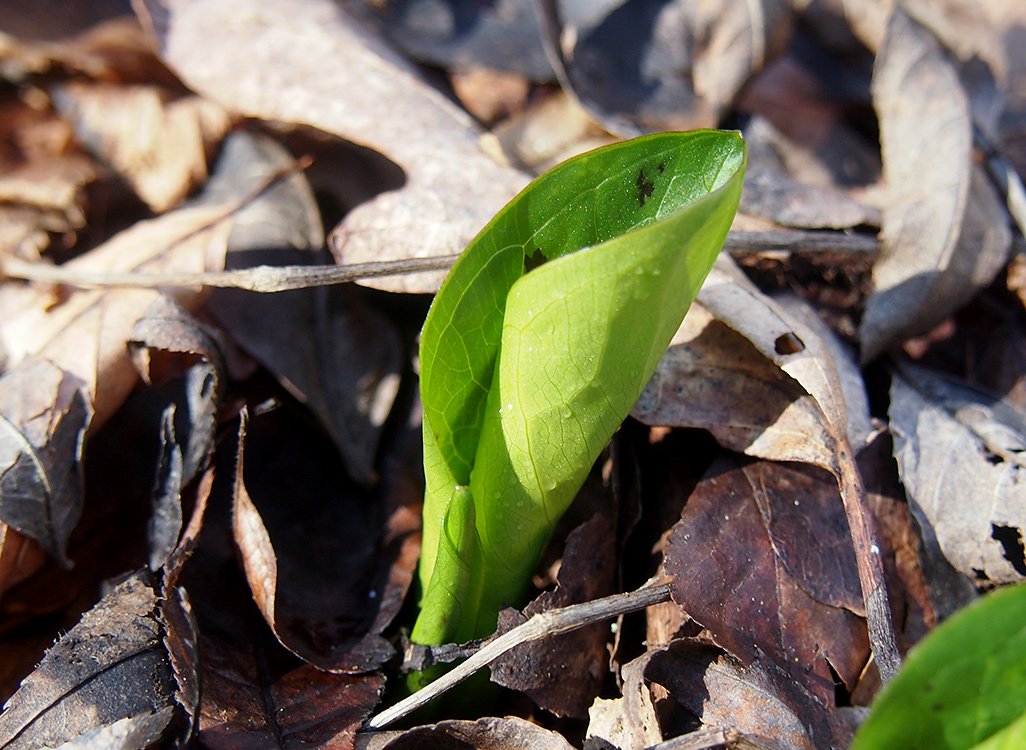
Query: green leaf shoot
(963, 686)
(540, 341)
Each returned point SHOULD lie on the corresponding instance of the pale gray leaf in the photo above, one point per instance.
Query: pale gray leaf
(945, 234)
(331, 351)
(773, 193)
(453, 187)
(962, 459)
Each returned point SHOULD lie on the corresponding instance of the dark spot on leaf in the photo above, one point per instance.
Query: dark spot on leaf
(661, 167)
(645, 187)
(533, 260)
(1010, 539)
(788, 343)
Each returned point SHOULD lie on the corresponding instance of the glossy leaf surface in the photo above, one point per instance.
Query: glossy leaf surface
(540, 341)
(964, 686)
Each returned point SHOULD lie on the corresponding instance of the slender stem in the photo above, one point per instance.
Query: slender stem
(271, 279)
(543, 625)
(869, 562)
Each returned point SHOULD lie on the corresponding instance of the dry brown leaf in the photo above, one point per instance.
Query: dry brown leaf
(735, 41)
(160, 146)
(713, 378)
(113, 49)
(86, 332)
(629, 722)
(796, 342)
(336, 354)
(44, 414)
(453, 188)
(327, 567)
(490, 95)
(766, 707)
(111, 666)
(945, 233)
(551, 130)
(762, 558)
(962, 457)
(963, 27)
(788, 334)
(490, 733)
(50, 190)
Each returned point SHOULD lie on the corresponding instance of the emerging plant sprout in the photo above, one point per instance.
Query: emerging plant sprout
(538, 344)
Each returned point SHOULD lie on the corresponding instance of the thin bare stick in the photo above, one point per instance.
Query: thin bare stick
(271, 279)
(800, 242)
(869, 563)
(265, 279)
(543, 625)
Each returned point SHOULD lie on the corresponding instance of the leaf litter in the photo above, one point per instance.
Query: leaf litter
(285, 631)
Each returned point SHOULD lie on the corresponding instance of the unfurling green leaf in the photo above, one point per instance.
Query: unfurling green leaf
(963, 687)
(539, 343)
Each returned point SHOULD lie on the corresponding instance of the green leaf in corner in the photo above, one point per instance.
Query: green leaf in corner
(963, 686)
(539, 342)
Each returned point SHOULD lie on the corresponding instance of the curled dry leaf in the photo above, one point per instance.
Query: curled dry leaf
(962, 459)
(453, 188)
(737, 41)
(45, 195)
(713, 378)
(332, 352)
(44, 414)
(945, 234)
(79, 371)
(500, 35)
(967, 29)
(790, 335)
(168, 342)
(111, 666)
(642, 67)
(160, 146)
(327, 567)
(763, 559)
(564, 674)
(783, 351)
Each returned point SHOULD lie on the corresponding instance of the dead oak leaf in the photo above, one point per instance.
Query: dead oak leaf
(762, 558)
